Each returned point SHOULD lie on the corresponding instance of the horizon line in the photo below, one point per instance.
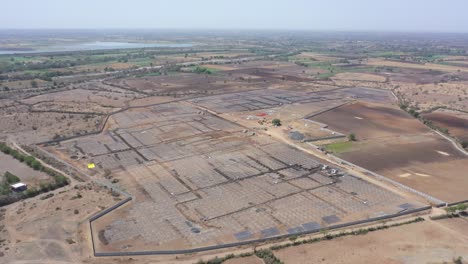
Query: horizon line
(242, 29)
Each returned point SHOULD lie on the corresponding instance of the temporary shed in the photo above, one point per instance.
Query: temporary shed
(18, 187)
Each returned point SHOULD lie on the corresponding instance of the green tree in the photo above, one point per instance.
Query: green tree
(352, 137)
(276, 122)
(201, 70)
(36, 165)
(29, 160)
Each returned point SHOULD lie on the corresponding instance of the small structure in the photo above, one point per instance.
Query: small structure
(18, 187)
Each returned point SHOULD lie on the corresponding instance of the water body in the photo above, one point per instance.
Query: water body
(98, 45)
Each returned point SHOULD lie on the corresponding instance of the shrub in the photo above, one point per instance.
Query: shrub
(36, 165)
(352, 137)
(11, 178)
(47, 196)
(31, 192)
(413, 112)
(29, 160)
(201, 70)
(268, 256)
(34, 84)
(456, 208)
(276, 122)
(464, 144)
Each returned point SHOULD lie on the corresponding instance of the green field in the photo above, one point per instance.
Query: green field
(339, 147)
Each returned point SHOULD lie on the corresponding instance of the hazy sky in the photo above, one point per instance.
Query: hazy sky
(374, 15)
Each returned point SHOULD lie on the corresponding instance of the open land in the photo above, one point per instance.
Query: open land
(184, 138)
(455, 122)
(428, 242)
(396, 145)
(25, 173)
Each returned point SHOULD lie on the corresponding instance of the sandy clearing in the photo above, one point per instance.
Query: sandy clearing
(20, 169)
(246, 260)
(426, 242)
(443, 153)
(423, 175)
(426, 66)
(355, 76)
(219, 67)
(316, 56)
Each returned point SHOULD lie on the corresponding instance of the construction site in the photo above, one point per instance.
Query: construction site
(198, 180)
(201, 155)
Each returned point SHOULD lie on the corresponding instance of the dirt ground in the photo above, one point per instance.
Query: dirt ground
(353, 76)
(189, 84)
(455, 122)
(315, 56)
(426, 66)
(426, 96)
(26, 127)
(246, 260)
(30, 235)
(370, 121)
(427, 242)
(25, 173)
(390, 142)
(400, 147)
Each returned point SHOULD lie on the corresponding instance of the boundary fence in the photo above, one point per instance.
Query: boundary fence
(235, 244)
(395, 183)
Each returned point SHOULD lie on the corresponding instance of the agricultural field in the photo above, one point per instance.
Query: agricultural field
(455, 122)
(398, 146)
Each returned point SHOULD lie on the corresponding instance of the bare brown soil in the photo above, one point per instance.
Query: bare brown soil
(457, 124)
(427, 242)
(52, 230)
(25, 173)
(26, 127)
(370, 121)
(400, 147)
(354, 76)
(183, 85)
(426, 66)
(426, 96)
(169, 161)
(246, 260)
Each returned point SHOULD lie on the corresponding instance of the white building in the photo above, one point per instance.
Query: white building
(18, 187)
